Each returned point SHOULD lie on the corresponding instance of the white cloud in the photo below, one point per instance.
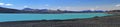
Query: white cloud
(25, 6)
(1, 4)
(118, 5)
(4, 4)
(92, 9)
(8, 4)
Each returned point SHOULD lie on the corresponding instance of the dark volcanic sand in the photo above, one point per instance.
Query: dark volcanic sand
(106, 21)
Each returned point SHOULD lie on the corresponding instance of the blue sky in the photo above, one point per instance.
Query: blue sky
(62, 4)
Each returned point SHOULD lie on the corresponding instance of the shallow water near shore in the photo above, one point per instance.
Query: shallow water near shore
(22, 17)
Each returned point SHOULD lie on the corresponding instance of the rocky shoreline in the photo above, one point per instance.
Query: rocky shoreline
(106, 21)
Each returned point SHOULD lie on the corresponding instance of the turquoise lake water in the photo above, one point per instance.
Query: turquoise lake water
(22, 17)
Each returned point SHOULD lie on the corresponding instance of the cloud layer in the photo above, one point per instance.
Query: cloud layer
(5, 4)
(118, 5)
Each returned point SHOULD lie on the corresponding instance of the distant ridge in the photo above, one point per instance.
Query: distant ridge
(8, 10)
(42, 11)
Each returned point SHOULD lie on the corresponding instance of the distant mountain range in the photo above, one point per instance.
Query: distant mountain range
(8, 10)
(29, 10)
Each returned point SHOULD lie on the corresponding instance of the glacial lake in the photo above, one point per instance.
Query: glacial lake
(22, 17)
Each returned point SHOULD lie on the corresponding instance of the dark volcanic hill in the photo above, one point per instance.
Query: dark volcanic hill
(8, 10)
